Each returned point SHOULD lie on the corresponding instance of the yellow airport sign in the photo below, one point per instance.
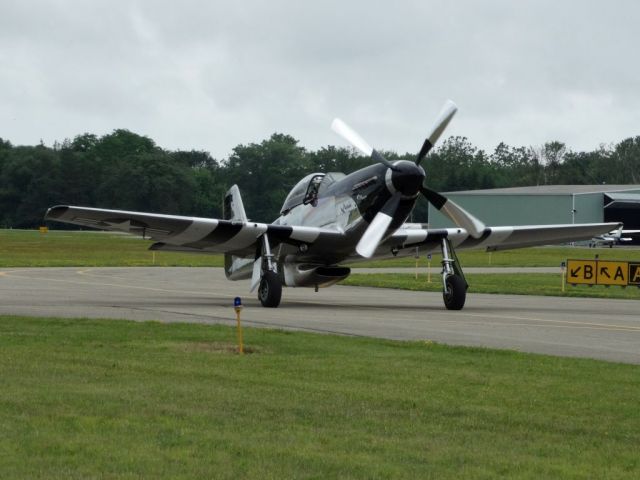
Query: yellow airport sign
(612, 273)
(603, 272)
(634, 273)
(582, 272)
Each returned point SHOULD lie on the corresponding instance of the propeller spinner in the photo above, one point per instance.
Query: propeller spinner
(405, 179)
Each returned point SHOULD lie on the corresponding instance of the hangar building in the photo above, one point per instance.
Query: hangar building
(548, 204)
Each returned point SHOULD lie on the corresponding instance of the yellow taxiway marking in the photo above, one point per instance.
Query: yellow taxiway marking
(522, 321)
(543, 323)
(117, 285)
(557, 322)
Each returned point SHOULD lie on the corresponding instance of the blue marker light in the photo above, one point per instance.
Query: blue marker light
(237, 302)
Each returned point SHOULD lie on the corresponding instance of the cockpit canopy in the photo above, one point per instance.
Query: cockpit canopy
(306, 190)
(303, 189)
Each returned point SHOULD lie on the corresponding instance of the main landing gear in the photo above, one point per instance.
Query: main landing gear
(454, 284)
(270, 288)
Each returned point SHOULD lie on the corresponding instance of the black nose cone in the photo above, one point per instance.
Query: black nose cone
(407, 178)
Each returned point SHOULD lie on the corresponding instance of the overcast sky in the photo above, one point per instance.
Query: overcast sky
(209, 75)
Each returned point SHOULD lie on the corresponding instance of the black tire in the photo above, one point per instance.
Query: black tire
(270, 290)
(456, 292)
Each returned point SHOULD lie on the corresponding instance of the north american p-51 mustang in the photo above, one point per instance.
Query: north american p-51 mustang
(329, 220)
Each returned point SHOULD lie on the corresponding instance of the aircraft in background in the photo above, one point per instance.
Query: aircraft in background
(614, 237)
(329, 219)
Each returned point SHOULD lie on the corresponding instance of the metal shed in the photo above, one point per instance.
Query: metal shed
(548, 204)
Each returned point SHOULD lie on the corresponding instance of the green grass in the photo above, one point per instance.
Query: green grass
(29, 248)
(504, 283)
(116, 399)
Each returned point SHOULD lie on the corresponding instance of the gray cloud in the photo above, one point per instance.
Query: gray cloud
(211, 75)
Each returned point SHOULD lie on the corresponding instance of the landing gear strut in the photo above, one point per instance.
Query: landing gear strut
(270, 289)
(454, 284)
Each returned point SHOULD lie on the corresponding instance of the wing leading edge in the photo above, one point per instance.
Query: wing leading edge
(500, 238)
(189, 234)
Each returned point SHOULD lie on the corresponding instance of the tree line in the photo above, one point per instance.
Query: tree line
(127, 171)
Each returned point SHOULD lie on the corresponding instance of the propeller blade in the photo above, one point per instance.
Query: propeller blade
(446, 114)
(373, 234)
(455, 212)
(351, 136)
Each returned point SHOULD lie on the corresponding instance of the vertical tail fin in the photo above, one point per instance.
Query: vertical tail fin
(233, 208)
(235, 267)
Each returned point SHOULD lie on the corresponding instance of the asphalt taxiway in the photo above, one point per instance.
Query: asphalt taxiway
(580, 327)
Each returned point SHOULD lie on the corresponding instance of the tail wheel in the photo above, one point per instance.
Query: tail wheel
(270, 290)
(455, 292)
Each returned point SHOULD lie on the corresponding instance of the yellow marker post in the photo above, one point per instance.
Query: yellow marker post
(562, 267)
(237, 306)
(429, 268)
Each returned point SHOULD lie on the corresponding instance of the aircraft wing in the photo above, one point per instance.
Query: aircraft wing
(190, 234)
(499, 238)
